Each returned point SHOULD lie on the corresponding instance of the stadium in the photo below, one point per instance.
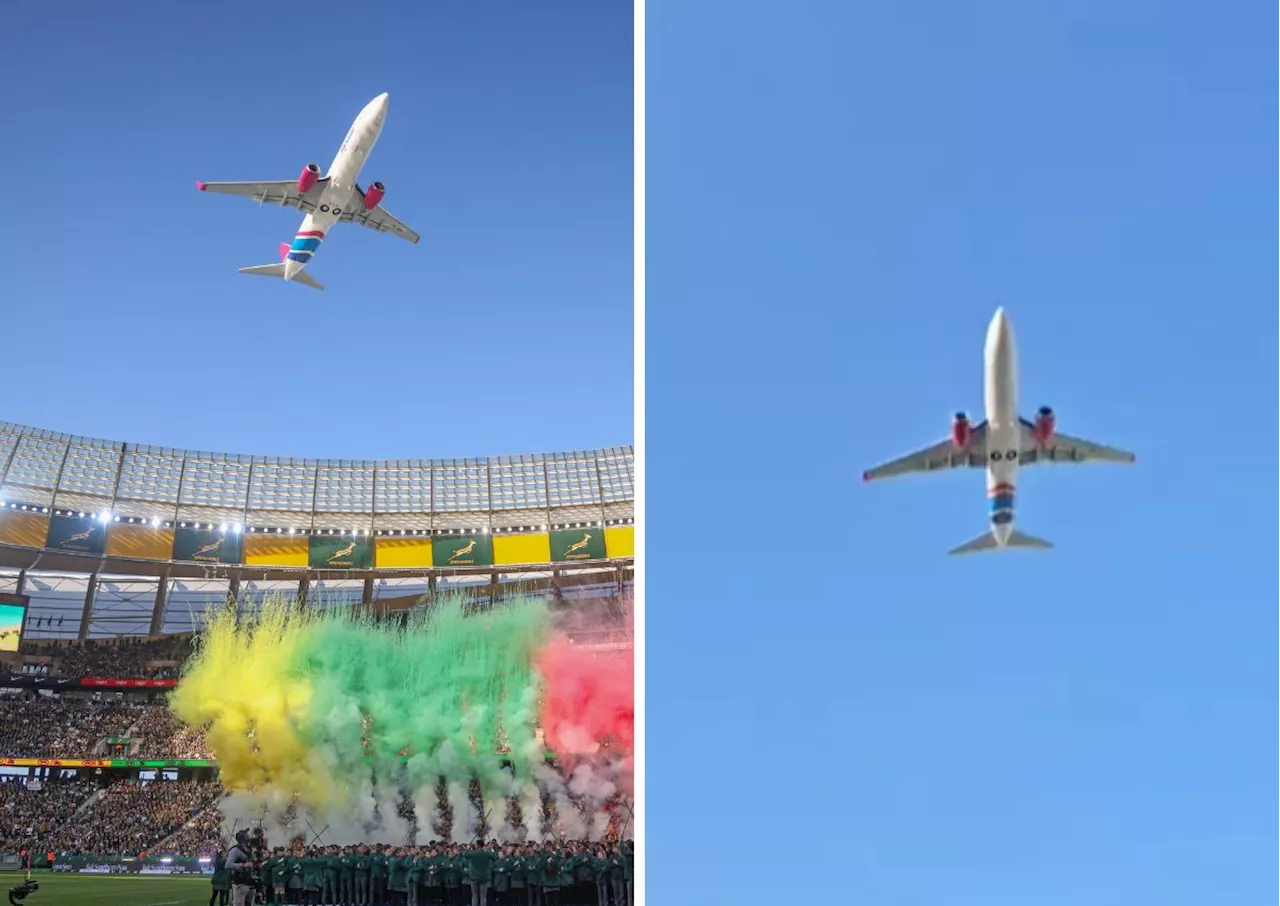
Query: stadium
(115, 557)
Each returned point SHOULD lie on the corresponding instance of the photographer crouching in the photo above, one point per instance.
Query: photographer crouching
(242, 864)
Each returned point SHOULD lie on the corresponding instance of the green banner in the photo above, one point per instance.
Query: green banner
(339, 552)
(207, 546)
(462, 550)
(71, 533)
(568, 545)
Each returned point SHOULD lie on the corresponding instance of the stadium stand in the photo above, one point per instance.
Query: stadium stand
(120, 550)
(62, 728)
(128, 817)
(32, 813)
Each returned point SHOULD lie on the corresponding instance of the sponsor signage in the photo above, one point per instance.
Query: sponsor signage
(207, 546)
(577, 544)
(82, 534)
(103, 763)
(340, 552)
(105, 865)
(103, 682)
(462, 550)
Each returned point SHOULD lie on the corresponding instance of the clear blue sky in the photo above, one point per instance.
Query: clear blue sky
(839, 196)
(508, 146)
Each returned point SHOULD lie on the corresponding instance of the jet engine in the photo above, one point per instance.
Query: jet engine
(1042, 427)
(961, 431)
(310, 176)
(373, 195)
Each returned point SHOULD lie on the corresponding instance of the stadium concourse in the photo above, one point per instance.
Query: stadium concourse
(115, 555)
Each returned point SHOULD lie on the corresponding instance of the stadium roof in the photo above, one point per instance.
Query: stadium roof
(48, 469)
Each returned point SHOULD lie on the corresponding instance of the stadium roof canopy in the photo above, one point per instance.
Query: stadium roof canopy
(48, 469)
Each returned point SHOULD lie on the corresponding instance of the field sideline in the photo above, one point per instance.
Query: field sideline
(109, 890)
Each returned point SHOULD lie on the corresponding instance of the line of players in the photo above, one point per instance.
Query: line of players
(573, 873)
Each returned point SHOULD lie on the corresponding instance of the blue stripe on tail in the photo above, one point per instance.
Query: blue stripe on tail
(1002, 508)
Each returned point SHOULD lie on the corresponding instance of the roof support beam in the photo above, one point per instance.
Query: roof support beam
(90, 595)
(162, 599)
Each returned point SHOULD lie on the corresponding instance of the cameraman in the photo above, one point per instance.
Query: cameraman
(240, 865)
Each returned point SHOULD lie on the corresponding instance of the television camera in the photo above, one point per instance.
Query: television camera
(19, 893)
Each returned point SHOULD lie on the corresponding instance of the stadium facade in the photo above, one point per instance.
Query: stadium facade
(108, 538)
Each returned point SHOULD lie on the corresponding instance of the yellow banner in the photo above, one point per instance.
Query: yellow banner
(620, 541)
(276, 550)
(26, 529)
(514, 549)
(52, 762)
(140, 541)
(408, 552)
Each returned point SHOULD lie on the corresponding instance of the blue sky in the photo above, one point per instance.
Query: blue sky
(508, 146)
(839, 196)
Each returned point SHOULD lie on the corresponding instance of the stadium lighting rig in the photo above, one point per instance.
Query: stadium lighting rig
(107, 517)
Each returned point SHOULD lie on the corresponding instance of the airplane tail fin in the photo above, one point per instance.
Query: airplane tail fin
(277, 270)
(987, 542)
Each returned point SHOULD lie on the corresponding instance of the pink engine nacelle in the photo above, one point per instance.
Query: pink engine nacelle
(1042, 428)
(310, 176)
(961, 431)
(373, 196)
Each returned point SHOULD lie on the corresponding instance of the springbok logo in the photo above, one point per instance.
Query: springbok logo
(578, 546)
(463, 551)
(339, 554)
(78, 536)
(211, 549)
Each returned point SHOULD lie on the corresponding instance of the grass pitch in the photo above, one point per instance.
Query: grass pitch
(110, 890)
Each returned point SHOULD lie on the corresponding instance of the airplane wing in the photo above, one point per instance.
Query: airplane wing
(1064, 448)
(942, 455)
(380, 220)
(283, 192)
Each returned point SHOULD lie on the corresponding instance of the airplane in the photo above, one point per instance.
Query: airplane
(330, 199)
(1000, 443)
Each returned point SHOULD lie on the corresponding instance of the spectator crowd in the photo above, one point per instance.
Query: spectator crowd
(129, 817)
(117, 658)
(33, 812)
(49, 727)
(161, 735)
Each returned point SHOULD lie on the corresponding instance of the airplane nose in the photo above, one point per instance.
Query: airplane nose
(998, 331)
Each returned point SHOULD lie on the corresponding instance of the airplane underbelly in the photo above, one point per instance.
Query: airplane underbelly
(1003, 451)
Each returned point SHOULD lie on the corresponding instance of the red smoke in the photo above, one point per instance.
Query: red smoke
(589, 698)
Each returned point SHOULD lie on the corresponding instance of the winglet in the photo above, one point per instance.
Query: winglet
(284, 250)
(200, 185)
(416, 241)
(866, 476)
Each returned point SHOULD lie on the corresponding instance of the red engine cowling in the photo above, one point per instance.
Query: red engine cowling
(1042, 428)
(961, 431)
(310, 176)
(373, 195)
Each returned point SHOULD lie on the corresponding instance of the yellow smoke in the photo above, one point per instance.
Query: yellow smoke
(245, 686)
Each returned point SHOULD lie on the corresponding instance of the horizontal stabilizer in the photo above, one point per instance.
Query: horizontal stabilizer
(987, 542)
(277, 270)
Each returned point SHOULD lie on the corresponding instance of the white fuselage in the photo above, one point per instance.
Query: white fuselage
(1004, 429)
(339, 192)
